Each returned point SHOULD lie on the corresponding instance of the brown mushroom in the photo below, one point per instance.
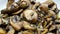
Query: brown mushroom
(27, 32)
(15, 13)
(16, 25)
(2, 31)
(44, 7)
(11, 30)
(31, 14)
(52, 27)
(13, 8)
(28, 26)
(9, 3)
(50, 13)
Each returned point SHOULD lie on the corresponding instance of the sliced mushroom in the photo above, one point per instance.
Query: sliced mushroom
(11, 30)
(27, 32)
(50, 33)
(32, 1)
(52, 28)
(49, 19)
(9, 3)
(30, 15)
(1, 19)
(50, 13)
(15, 18)
(16, 25)
(58, 15)
(50, 3)
(35, 6)
(54, 7)
(5, 20)
(27, 25)
(13, 8)
(24, 4)
(42, 31)
(51, 22)
(20, 32)
(15, 13)
(2, 31)
(5, 15)
(57, 21)
(44, 7)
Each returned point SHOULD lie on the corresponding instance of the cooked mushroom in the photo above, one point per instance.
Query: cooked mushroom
(51, 22)
(5, 20)
(44, 7)
(42, 31)
(13, 8)
(35, 6)
(24, 4)
(2, 31)
(9, 3)
(58, 15)
(50, 14)
(11, 30)
(18, 12)
(31, 14)
(16, 25)
(28, 26)
(52, 28)
(20, 32)
(27, 32)
(50, 33)
(50, 3)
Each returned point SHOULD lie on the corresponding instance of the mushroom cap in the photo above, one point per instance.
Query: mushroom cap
(30, 15)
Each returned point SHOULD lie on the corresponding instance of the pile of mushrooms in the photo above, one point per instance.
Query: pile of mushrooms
(30, 17)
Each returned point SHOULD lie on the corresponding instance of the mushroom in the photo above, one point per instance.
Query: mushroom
(9, 3)
(51, 22)
(18, 12)
(50, 13)
(50, 33)
(11, 30)
(24, 4)
(28, 26)
(5, 20)
(20, 32)
(35, 6)
(27, 32)
(44, 7)
(2, 31)
(16, 25)
(13, 8)
(42, 31)
(50, 3)
(52, 27)
(30, 15)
